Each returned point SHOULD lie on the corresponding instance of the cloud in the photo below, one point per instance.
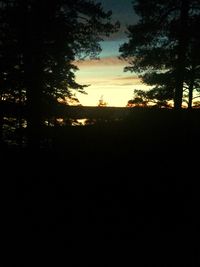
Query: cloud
(105, 72)
(112, 81)
(105, 61)
(128, 80)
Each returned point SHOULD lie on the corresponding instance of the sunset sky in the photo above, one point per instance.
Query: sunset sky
(106, 76)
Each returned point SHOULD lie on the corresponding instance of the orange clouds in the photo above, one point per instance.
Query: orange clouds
(106, 61)
(106, 77)
(128, 80)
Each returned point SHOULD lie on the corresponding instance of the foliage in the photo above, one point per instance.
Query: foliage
(39, 42)
(163, 46)
(155, 97)
(49, 36)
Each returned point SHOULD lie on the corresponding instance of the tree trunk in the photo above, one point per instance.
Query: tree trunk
(1, 119)
(32, 50)
(1, 128)
(190, 94)
(190, 97)
(34, 104)
(182, 48)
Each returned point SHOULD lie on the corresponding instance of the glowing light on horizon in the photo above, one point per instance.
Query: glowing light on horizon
(106, 78)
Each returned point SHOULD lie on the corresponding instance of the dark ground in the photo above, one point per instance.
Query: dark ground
(111, 194)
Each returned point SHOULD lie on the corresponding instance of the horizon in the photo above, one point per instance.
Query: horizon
(106, 78)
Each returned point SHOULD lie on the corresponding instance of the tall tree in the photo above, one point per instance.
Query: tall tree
(192, 81)
(49, 36)
(11, 89)
(159, 43)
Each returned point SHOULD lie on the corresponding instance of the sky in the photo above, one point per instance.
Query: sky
(106, 76)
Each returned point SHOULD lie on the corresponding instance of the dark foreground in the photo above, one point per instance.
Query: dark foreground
(112, 194)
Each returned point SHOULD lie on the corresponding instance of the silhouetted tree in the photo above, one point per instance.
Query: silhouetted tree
(153, 98)
(102, 103)
(161, 44)
(12, 92)
(47, 36)
(192, 80)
